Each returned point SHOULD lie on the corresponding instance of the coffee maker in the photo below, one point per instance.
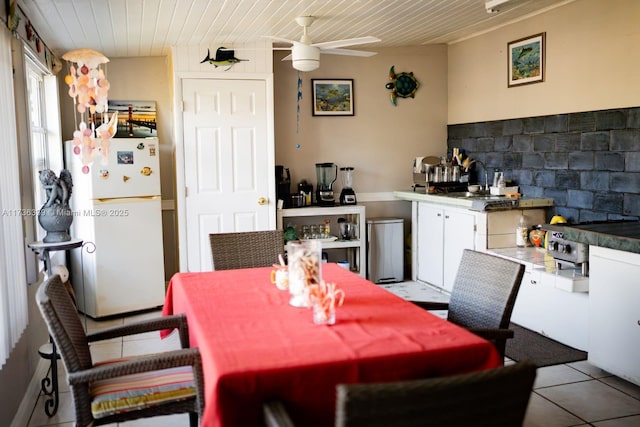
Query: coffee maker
(283, 185)
(326, 174)
(347, 195)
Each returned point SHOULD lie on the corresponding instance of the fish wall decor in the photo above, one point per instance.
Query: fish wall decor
(224, 58)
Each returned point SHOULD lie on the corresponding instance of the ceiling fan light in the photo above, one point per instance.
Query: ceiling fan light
(306, 64)
(305, 57)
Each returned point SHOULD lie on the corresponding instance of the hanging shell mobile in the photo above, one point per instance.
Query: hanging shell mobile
(89, 88)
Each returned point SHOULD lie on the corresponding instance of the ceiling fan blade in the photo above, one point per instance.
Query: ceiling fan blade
(348, 52)
(347, 42)
(280, 39)
(288, 57)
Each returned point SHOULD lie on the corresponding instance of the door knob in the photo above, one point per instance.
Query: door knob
(262, 201)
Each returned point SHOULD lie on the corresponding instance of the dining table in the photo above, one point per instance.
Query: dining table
(256, 347)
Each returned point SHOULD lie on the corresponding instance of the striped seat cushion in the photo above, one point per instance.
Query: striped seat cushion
(137, 391)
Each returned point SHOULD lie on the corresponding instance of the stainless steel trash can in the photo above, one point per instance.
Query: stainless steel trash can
(385, 250)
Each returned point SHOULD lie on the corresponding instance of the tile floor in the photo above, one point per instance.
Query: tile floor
(573, 394)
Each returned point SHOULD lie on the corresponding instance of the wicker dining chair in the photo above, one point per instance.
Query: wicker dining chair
(492, 398)
(246, 249)
(124, 389)
(483, 295)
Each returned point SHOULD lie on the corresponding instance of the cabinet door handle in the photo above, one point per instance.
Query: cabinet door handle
(638, 322)
(534, 282)
(439, 214)
(446, 217)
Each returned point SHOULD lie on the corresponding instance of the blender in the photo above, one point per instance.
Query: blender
(347, 195)
(326, 174)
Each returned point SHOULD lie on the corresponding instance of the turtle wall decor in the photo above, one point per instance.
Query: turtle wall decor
(403, 85)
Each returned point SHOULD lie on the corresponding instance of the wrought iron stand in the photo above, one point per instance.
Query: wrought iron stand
(48, 351)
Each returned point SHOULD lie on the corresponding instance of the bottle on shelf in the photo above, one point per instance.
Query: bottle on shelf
(522, 233)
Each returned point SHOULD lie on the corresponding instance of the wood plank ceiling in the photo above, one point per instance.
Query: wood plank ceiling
(122, 28)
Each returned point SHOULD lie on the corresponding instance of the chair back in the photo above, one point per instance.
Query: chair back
(65, 327)
(246, 249)
(484, 291)
(63, 322)
(492, 398)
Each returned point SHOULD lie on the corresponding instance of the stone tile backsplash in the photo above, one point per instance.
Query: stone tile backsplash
(588, 162)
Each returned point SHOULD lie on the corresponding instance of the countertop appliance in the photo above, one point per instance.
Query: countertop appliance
(347, 195)
(283, 185)
(117, 206)
(576, 253)
(563, 250)
(326, 174)
(423, 168)
(429, 173)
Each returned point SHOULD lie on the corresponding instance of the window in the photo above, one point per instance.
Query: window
(45, 149)
(31, 142)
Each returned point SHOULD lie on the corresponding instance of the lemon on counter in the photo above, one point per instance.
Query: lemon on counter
(557, 219)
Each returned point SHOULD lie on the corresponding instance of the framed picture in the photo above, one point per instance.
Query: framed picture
(136, 119)
(332, 97)
(526, 60)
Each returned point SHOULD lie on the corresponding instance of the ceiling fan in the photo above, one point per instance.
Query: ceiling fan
(306, 54)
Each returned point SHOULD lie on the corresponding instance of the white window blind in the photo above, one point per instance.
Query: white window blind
(14, 314)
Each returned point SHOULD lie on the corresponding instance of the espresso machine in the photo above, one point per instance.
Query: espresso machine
(347, 195)
(327, 173)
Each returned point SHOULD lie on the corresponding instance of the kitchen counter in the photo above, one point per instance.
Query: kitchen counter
(568, 278)
(623, 236)
(474, 202)
(444, 224)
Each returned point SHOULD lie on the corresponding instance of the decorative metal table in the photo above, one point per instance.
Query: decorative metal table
(48, 351)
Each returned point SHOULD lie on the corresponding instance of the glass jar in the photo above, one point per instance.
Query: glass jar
(305, 264)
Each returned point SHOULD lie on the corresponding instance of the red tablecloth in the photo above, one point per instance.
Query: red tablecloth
(255, 346)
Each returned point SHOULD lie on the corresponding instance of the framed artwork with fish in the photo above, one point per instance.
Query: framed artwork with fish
(332, 97)
(526, 60)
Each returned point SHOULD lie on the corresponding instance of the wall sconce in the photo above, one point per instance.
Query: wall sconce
(89, 88)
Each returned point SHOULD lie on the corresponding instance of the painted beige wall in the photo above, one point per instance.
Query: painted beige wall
(591, 64)
(148, 79)
(381, 140)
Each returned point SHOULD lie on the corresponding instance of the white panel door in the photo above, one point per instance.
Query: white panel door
(226, 161)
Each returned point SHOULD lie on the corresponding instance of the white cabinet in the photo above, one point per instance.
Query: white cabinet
(531, 298)
(544, 307)
(614, 314)
(429, 235)
(355, 249)
(442, 234)
(550, 301)
(459, 234)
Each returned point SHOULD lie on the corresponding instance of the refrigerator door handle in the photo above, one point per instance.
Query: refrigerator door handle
(127, 199)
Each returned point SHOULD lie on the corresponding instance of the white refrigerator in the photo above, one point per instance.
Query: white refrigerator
(117, 207)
